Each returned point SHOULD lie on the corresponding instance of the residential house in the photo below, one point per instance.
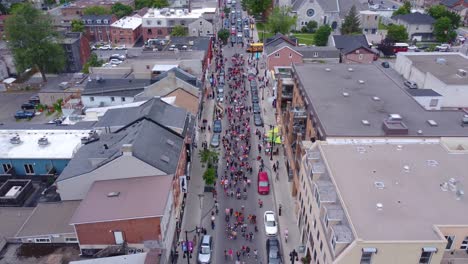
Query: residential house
(347, 188)
(77, 7)
(369, 21)
(117, 212)
(317, 54)
(311, 109)
(77, 51)
(426, 3)
(419, 26)
(285, 55)
(101, 91)
(126, 31)
(97, 27)
(184, 88)
(278, 39)
(201, 28)
(458, 6)
(354, 49)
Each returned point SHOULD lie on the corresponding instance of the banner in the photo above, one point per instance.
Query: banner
(183, 183)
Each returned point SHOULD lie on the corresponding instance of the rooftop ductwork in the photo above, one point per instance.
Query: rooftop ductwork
(43, 141)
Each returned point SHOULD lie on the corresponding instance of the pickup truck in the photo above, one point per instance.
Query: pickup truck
(443, 47)
(24, 114)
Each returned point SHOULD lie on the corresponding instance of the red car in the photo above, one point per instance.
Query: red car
(233, 31)
(263, 183)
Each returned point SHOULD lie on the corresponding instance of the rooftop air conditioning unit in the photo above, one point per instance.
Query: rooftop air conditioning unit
(43, 141)
(15, 140)
(461, 73)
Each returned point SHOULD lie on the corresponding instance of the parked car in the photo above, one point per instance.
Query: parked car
(117, 56)
(105, 47)
(273, 251)
(121, 47)
(443, 47)
(34, 100)
(410, 84)
(215, 140)
(385, 64)
(205, 250)
(256, 108)
(258, 120)
(263, 184)
(28, 106)
(24, 114)
(220, 97)
(269, 220)
(233, 30)
(254, 97)
(115, 61)
(217, 126)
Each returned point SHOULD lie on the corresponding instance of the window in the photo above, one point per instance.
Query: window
(6, 167)
(42, 240)
(310, 12)
(361, 56)
(182, 22)
(321, 245)
(325, 220)
(112, 99)
(28, 169)
(376, 17)
(71, 240)
(207, 32)
(106, 21)
(366, 257)
(158, 22)
(149, 31)
(464, 244)
(201, 23)
(315, 223)
(91, 99)
(449, 242)
(434, 102)
(425, 257)
(315, 255)
(98, 21)
(318, 235)
(123, 99)
(290, 55)
(90, 21)
(333, 242)
(277, 55)
(315, 54)
(317, 196)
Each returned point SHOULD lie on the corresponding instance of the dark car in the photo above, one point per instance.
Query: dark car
(28, 106)
(34, 100)
(258, 120)
(273, 251)
(217, 127)
(254, 97)
(385, 64)
(256, 108)
(24, 114)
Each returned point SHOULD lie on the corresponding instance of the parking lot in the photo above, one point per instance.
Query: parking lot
(11, 102)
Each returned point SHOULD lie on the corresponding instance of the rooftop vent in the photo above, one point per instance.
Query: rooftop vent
(361, 150)
(459, 194)
(461, 73)
(113, 194)
(395, 117)
(327, 69)
(379, 206)
(345, 94)
(376, 98)
(464, 120)
(361, 81)
(406, 168)
(399, 147)
(441, 61)
(432, 123)
(15, 140)
(165, 158)
(350, 69)
(43, 141)
(432, 163)
(420, 132)
(365, 122)
(379, 185)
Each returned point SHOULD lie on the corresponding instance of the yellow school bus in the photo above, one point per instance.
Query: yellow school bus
(255, 47)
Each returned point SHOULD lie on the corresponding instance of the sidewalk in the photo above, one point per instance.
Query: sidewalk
(282, 187)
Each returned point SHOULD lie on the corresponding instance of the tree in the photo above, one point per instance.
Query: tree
(386, 47)
(93, 61)
(258, 7)
(226, 11)
(121, 10)
(209, 176)
(223, 34)
(208, 157)
(77, 26)
(322, 34)
(281, 20)
(403, 10)
(179, 31)
(443, 30)
(160, 3)
(351, 24)
(439, 11)
(312, 26)
(33, 41)
(96, 10)
(397, 33)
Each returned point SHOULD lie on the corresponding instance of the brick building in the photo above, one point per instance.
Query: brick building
(77, 7)
(77, 51)
(354, 49)
(126, 31)
(97, 27)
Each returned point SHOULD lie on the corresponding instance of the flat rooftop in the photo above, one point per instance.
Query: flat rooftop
(128, 22)
(446, 72)
(62, 144)
(343, 116)
(12, 218)
(166, 13)
(411, 198)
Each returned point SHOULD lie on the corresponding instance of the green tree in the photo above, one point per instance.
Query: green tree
(121, 10)
(397, 33)
(96, 10)
(403, 10)
(93, 61)
(209, 176)
(322, 34)
(443, 30)
(223, 34)
(33, 41)
(226, 11)
(281, 20)
(351, 24)
(312, 26)
(160, 3)
(208, 157)
(77, 26)
(439, 11)
(179, 31)
(258, 7)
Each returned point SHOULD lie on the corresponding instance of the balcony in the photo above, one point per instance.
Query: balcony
(299, 113)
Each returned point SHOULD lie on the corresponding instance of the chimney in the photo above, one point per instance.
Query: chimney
(127, 149)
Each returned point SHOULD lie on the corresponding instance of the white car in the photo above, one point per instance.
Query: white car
(115, 61)
(271, 227)
(105, 47)
(122, 47)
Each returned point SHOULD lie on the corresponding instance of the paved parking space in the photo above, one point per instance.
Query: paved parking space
(11, 102)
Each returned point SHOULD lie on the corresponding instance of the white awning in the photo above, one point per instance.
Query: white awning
(369, 250)
(429, 249)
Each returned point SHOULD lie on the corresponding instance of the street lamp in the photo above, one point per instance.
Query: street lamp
(293, 256)
(272, 141)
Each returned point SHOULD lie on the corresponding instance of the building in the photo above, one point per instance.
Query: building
(117, 212)
(158, 23)
(97, 27)
(126, 31)
(77, 7)
(201, 28)
(286, 55)
(100, 92)
(182, 87)
(369, 21)
(312, 106)
(77, 51)
(354, 49)
(361, 203)
(319, 54)
(445, 73)
(419, 26)
(426, 3)
(458, 6)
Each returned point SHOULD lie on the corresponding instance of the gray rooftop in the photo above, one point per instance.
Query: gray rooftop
(345, 6)
(181, 74)
(349, 43)
(12, 218)
(322, 52)
(406, 194)
(329, 5)
(446, 72)
(342, 116)
(416, 18)
(422, 92)
(42, 223)
(152, 143)
(118, 87)
(166, 55)
(154, 109)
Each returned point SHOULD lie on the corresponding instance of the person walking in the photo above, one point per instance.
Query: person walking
(255, 252)
(286, 234)
(231, 254)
